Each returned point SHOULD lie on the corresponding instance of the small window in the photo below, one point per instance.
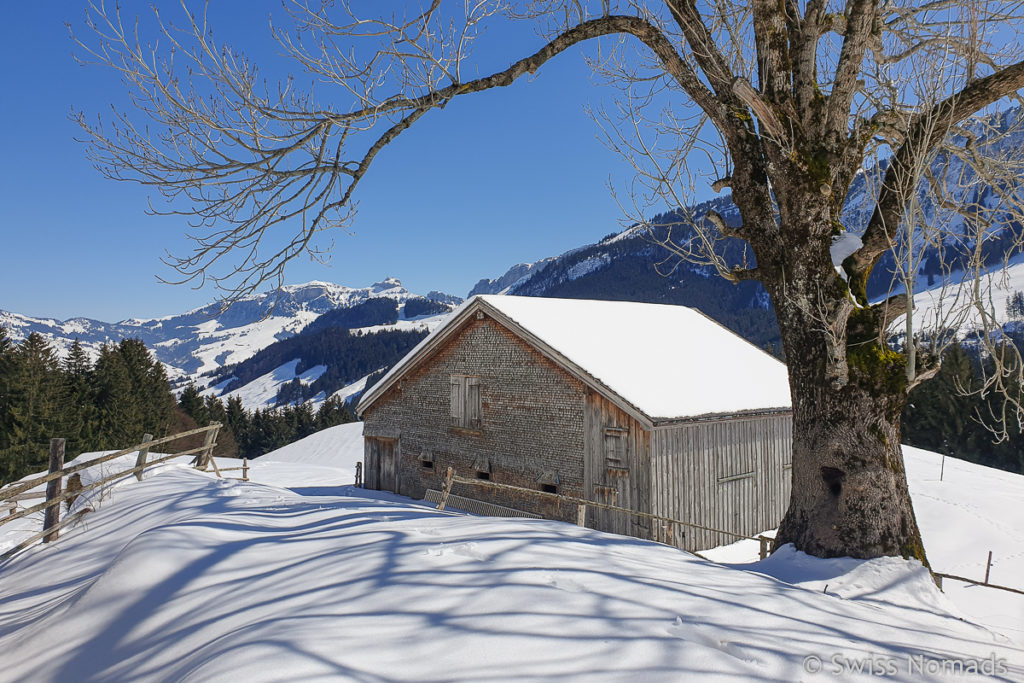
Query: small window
(466, 403)
(482, 467)
(427, 460)
(549, 481)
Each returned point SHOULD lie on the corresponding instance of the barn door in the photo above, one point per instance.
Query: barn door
(608, 473)
(382, 466)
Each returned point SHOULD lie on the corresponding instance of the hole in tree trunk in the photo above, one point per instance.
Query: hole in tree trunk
(833, 479)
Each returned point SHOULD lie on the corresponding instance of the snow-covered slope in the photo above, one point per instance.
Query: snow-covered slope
(262, 392)
(186, 577)
(204, 339)
(947, 307)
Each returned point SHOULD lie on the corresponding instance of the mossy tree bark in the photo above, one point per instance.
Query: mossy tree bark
(850, 495)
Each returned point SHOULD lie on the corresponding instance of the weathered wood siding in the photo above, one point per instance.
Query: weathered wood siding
(531, 422)
(732, 475)
(617, 467)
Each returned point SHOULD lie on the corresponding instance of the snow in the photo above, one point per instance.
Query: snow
(295, 576)
(842, 246)
(588, 265)
(668, 361)
(949, 307)
(226, 346)
(970, 511)
(262, 391)
(350, 390)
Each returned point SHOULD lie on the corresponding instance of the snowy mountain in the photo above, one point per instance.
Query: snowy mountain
(210, 337)
(632, 266)
(297, 575)
(513, 276)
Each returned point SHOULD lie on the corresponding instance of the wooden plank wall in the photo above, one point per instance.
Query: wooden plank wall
(731, 475)
(616, 467)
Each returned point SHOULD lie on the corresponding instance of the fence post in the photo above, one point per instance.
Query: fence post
(53, 489)
(143, 452)
(207, 452)
(988, 566)
(447, 488)
(763, 551)
(581, 514)
(359, 475)
(245, 469)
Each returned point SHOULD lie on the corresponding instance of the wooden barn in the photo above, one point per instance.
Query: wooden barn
(648, 407)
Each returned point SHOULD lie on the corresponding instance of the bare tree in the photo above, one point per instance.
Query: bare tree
(787, 101)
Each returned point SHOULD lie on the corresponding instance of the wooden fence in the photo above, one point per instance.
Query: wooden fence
(582, 504)
(451, 479)
(54, 479)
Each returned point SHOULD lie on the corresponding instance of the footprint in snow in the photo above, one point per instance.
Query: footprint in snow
(564, 583)
(703, 634)
(461, 549)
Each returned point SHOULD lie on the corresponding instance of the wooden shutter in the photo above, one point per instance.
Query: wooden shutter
(615, 448)
(458, 401)
(474, 404)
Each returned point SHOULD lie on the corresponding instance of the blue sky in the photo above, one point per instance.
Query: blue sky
(493, 180)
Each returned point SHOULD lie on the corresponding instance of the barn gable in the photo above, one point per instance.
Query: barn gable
(527, 426)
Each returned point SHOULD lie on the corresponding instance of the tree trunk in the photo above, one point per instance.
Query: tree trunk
(850, 495)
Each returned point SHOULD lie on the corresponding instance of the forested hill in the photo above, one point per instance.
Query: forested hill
(205, 339)
(338, 349)
(631, 265)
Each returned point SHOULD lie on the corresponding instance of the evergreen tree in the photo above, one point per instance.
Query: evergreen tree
(237, 420)
(6, 370)
(35, 385)
(192, 403)
(78, 417)
(133, 393)
(333, 412)
(1015, 305)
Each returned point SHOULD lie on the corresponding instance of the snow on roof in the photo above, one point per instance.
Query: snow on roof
(667, 361)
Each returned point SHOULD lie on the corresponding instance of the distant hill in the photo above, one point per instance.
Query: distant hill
(208, 338)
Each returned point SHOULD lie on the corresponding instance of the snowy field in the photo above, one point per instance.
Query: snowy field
(299, 576)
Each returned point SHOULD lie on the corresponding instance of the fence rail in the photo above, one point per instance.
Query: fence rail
(451, 478)
(56, 494)
(940, 576)
(765, 542)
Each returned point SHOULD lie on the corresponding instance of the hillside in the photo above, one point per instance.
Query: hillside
(296, 576)
(632, 266)
(208, 338)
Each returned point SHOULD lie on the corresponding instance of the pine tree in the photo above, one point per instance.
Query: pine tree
(1015, 305)
(78, 409)
(33, 406)
(333, 412)
(133, 394)
(192, 403)
(6, 370)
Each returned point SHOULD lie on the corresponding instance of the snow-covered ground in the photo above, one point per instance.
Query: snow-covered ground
(950, 307)
(298, 576)
(262, 392)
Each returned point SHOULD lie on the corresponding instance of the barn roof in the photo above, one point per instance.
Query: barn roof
(665, 362)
